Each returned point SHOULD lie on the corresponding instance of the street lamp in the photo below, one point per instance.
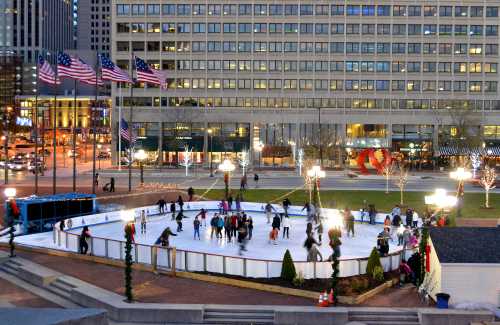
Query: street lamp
(128, 217)
(99, 146)
(315, 174)
(226, 167)
(140, 156)
(460, 175)
(10, 194)
(441, 199)
(259, 147)
(210, 134)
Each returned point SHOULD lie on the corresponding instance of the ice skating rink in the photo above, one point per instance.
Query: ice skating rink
(258, 247)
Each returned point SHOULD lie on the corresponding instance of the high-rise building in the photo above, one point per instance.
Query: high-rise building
(333, 79)
(94, 19)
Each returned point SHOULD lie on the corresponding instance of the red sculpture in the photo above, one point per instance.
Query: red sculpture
(378, 165)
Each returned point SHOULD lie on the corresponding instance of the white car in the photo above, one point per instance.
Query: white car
(18, 164)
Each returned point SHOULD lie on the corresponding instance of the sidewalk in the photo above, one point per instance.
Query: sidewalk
(14, 296)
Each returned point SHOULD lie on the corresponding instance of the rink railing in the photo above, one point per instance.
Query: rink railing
(185, 260)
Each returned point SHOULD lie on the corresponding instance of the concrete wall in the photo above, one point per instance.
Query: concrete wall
(453, 317)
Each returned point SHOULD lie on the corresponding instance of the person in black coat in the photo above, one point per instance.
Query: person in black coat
(409, 217)
(190, 192)
(180, 202)
(286, 205)
(276, 222)
(172, 209)
(179, 221)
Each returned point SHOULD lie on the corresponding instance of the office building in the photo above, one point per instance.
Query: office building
(93, 29)
(331, 78)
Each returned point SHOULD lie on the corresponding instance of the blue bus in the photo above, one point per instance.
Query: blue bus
(40, 213)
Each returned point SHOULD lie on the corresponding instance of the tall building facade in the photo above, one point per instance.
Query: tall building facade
(94, 26)
(333, 78)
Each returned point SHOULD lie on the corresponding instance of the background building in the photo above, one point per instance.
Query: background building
(332, 78)
(94, 26)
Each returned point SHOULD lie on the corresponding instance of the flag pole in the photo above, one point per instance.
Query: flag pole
(120, 99)
(93, 110)
(36, 129)
(54, 140)
(130, 123)
(74, 136)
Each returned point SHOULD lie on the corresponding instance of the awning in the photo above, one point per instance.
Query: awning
(456, 151)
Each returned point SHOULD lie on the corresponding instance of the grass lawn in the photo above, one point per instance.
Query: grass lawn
(473, 206)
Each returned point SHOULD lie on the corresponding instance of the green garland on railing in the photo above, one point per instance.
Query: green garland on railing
(128, 263)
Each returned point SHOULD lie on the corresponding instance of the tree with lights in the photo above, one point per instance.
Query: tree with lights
(187, 159)
(488, 182)
(402, 181)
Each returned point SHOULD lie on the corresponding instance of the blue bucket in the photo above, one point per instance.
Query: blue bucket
(442, 300)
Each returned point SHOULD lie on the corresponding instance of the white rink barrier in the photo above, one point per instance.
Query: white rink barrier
(162, 257)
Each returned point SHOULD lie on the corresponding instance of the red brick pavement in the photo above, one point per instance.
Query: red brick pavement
(406, 296)
(20, 297)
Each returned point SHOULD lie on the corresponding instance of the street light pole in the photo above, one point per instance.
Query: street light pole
(10, 193)
(210, 131)
(460, 175)
(320, 139)
(140, 155)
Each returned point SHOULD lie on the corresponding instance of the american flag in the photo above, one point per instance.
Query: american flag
(69, 66)
(111, 71)
(146, 74)
(45, 72)
(124, 132)
(91, 81)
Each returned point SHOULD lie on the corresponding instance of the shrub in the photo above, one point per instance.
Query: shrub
(288, 272)
(378, 274)
(298, 281)
(373, 262)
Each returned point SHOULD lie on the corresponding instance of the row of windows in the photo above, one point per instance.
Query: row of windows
(335, 85)
(329, 66)
(305, 10)
(283, 102)
(310, 47)
(310, 28)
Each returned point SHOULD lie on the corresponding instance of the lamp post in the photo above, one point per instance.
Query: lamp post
(460, 175)
(99, 146)
(259, 147)
(315, 174)
(128, 217)
(441, 199)
(226, 167)
(140, 155)
(210, 134)
(11, 212)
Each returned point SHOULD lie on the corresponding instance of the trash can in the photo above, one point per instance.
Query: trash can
(442, 300)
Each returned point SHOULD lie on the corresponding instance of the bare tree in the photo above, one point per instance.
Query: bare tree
(402, 181)
(467, 137)
(488, 182)
(388, 170)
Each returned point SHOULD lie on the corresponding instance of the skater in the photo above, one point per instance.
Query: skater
(179, 221)
(84, 246)
(387, 222)
(203, 216)
(310, 210)
(234, 225)
(311, 245)
(161, 206)
(62, 225)
(165, 236)
(242, 234)
(309, 229)
(363, 214)
(230, 203)
(372, 213)
(132, 230)
(396, 222)
(228, 228)
(319, 230)
(213, 226)
(415, 219)
(143, 222)
(286, 227)
(400, 232)
(190, 192)
(196, 224)
(349, 219)
(269, 211)
(273, 235)
(256, 180)
(276, 222)
(172, 209)
(406, 238)
(220, 225)
(396, 211)
(250, 227)
(180, 202)
(409, 217)
(238, 203)
(111, 184)
(383, 243)
(286, 204)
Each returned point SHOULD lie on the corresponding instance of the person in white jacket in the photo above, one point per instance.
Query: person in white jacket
(286, 226)
(415, 219)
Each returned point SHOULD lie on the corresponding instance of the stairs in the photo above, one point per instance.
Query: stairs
(238, 316)
(11, 267)
(61, 288)
(384, 317)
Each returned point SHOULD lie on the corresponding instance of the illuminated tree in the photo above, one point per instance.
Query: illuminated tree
(488, 182)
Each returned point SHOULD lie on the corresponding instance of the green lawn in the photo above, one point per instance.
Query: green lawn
(473, 202)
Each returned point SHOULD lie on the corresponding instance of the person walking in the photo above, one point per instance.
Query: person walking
(269, 211)
(143, 222)
(256, 180)
(179, 221)
(84, 246)
(203, 215)
(96, 179)
(111, 184)
(250, 227)
(196, 224)
(243, 182)
(190, 192)
(286, 227)
(172, 209)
